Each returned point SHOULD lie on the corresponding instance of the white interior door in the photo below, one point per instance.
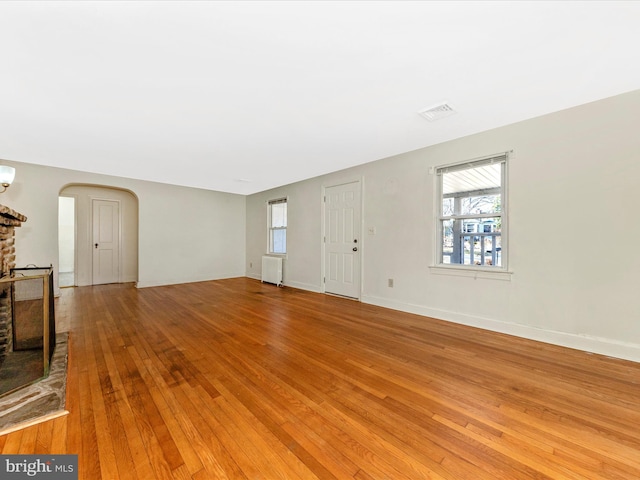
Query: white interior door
(342, 247)
(106, 241)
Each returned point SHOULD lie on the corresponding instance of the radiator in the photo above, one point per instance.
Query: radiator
(272, 270)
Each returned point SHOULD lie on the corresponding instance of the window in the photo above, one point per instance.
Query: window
(278, 226)
(472, 218)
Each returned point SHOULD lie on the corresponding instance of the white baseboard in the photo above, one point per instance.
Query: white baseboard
(601, 346)
(303, 286)
(177, 281)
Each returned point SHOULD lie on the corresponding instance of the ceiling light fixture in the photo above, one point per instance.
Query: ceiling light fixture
(7, 174)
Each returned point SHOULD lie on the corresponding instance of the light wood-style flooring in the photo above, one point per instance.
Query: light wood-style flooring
(242, 380)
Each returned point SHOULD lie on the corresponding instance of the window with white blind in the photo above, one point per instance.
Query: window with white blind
(472, 223)
(277, 220)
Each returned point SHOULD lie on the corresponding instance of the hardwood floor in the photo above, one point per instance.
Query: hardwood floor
(240, 380)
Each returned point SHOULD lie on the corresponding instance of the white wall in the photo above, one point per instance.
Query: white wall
(574, 252)
(185, 234)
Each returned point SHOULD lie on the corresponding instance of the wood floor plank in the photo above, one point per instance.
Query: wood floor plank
(181, 428)
(262, 445)
(107, 456)
(200, 428)
(268, 410)
(235, 379)
(59, 437)
(12, 443)
(83, 434)
(29, 438)
(45, 434)
(137, 448)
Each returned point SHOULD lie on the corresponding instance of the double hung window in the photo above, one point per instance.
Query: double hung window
(472, 218)
(277, 218)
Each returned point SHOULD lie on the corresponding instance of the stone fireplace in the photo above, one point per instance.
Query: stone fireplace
(27, 314)
(33, 359)
(9, 220)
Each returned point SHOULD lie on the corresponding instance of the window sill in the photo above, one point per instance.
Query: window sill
(279, 255)
(472, 272)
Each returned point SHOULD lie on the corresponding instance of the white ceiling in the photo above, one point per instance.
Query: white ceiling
(245, 96)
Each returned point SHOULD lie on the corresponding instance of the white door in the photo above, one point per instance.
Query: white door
(106, 241)
(342, 247)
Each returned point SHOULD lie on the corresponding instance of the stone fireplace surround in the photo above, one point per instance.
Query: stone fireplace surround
(9, 220)
(42, 400)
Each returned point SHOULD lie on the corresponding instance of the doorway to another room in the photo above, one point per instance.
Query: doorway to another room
(66, 241)
(98, 236)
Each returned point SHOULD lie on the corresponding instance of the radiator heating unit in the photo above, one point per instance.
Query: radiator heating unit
(272, 270)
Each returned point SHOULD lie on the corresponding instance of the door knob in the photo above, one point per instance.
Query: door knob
(355, 249)
(96, 245)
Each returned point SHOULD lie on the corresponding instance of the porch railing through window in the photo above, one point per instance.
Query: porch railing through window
(480, 248)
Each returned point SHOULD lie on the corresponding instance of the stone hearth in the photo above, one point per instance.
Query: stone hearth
(41, 401)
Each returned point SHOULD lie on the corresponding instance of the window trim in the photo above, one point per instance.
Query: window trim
(501, 272)
(271, 229)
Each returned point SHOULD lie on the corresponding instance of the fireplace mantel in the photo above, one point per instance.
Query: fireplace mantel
(11, 217)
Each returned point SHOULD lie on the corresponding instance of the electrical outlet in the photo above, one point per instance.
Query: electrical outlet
(391, 283)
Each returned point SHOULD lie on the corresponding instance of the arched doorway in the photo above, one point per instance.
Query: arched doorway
(104, 233)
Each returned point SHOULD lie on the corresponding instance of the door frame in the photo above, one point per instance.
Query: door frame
(323, 234)
(91, 220)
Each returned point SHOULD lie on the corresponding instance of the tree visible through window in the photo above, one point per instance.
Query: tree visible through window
(471, 223)
(278, 226)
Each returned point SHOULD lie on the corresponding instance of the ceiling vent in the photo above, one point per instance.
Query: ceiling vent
(437, 112)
